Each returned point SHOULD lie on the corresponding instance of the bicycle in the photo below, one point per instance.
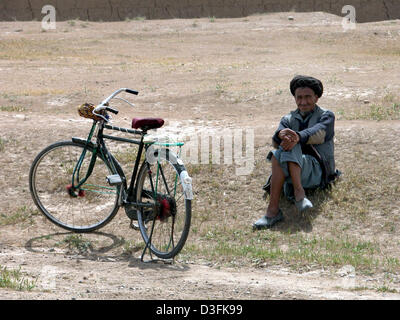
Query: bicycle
(80, 186)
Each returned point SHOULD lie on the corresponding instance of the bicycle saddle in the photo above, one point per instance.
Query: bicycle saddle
(148, 123)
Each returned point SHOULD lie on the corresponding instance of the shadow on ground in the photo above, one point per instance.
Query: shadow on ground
(104, 253)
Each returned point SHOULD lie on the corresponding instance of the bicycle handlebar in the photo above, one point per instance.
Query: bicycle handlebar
(104, 104)
(115, 111)
(132, 91)
(116, 93)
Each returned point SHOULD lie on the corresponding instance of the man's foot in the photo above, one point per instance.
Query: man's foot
(303, 204)
(267, 222)
(299, 194)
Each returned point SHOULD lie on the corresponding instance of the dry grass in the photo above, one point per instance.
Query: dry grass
(21, 49)
(363, 199)
(386, 107)
(2, 144)
(22, 215)
(12, 108)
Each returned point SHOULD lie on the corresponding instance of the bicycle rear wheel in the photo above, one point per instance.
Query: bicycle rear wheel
(87, 209)
(166, 228)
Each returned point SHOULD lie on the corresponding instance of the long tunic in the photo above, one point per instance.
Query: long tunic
(316, 132)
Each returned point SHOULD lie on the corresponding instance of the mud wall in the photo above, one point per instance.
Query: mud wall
(114, 10)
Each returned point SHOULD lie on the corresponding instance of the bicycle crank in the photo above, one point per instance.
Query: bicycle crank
(72, 192)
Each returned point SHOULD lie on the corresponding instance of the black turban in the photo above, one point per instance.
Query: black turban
(308, 82)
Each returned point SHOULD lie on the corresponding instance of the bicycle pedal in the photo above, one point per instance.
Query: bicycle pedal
(134, 225)
(114, 180)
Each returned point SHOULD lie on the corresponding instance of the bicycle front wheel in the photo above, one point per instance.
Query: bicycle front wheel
(165, 222)
(90, 207)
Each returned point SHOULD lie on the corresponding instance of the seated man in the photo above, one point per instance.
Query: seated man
(304, 155)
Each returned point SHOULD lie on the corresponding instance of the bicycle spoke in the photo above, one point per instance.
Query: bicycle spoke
(164, 180)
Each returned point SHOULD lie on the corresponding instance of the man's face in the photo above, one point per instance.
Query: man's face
(306, 99)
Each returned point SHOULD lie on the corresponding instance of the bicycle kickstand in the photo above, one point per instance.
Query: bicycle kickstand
(148, 242)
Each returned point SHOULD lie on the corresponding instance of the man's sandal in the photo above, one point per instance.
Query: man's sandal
(267, 222)
(303, 204)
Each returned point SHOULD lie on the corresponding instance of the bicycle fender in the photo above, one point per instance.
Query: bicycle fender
(187, 185)
(177, 162)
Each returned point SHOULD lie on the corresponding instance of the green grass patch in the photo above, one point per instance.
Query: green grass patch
(295, 250)
(131, 246)
(382, 112)
(21, 214)
(14, 279)
(76, 242)
(12, 108)
(377, 112)
(386, 289)
(2, 144)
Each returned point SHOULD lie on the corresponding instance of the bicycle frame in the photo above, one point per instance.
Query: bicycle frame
(100, 149)
(140, 143)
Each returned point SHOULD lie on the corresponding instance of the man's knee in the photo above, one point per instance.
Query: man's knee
(275, 162)
(277, 169)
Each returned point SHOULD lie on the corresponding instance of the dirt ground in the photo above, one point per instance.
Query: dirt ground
(196, 73)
